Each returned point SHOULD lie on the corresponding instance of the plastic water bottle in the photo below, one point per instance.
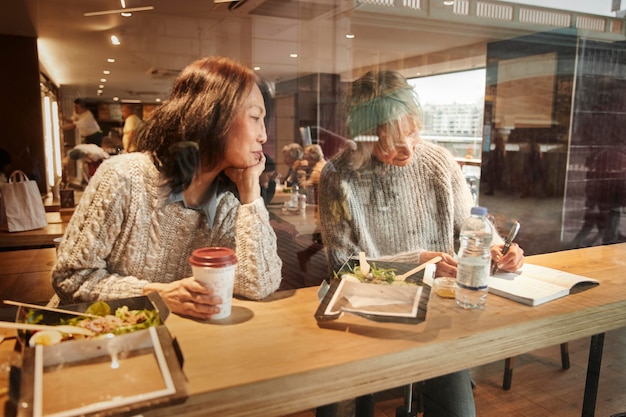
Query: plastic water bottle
(474, 257)
(294, 200)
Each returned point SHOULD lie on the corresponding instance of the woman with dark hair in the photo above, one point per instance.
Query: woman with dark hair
(194, 182)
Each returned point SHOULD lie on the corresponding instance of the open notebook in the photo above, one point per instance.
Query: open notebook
(534, 285)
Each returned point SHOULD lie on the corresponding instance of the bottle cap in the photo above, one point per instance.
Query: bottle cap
(214, 257)
(479, 211)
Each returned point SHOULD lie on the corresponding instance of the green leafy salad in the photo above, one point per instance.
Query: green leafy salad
(375, 276)
(121, 321)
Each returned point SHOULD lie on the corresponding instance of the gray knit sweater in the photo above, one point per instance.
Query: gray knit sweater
(393, 213)
(125, 233)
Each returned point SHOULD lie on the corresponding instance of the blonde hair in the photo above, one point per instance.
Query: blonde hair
(294, 150)
(377, 103)
(314, 152)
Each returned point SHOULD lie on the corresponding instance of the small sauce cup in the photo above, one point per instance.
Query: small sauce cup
(444, 286)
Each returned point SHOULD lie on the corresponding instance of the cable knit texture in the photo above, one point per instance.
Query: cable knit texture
(393, 213)
(125, 234)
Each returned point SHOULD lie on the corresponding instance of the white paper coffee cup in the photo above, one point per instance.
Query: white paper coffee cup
(215, 268)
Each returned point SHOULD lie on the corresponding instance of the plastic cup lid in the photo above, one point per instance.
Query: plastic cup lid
(214, 257)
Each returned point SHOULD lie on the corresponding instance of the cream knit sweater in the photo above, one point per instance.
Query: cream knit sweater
(125, 234)
(393, 213)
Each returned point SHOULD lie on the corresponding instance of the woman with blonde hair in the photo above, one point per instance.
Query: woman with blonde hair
(399, 198)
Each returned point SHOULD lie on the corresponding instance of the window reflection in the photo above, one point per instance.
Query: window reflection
(550, 102)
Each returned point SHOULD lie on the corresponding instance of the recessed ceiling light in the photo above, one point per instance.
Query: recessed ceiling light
(103, 80)
(101, 86)
(123, 4)
(293, 55)
(158, 100)
(126, 14)
(111, 60)
(257, 68)
(115, 40)
(106, 72)
(350, 35)
(116, 99)
(448, 3)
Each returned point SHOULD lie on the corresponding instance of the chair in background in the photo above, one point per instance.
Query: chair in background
(509, 363)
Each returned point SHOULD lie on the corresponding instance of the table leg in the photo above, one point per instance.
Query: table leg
(593, 375)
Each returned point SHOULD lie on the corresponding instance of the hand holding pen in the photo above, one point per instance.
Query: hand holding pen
(507, 244)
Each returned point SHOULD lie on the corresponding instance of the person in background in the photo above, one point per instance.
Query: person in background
(131, 124)
(83, 121)
(292, 155)
(399, 198)
(92, 154)
(5, 165)
(193, 182)
(314, 157)
(268, 180)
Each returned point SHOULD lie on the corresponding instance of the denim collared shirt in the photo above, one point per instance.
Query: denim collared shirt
(209, 207)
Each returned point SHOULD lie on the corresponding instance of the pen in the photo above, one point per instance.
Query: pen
(507, 244)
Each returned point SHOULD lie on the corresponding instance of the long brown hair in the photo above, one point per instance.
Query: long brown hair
(191, 127)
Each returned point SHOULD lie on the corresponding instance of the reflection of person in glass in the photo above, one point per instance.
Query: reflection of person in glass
(496, 164)
(399, 198)
(534, 172)
(605, 191)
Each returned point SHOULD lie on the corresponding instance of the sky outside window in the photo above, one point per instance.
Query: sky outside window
(598, 7)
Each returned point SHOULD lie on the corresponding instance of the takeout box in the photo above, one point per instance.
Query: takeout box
(107, 375)
(151, 301)
(405, 303)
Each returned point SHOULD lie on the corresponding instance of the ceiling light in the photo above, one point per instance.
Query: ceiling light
(257, 68)
(293, 55)
(101, 86)
(99, 91)
(106, 72)
(131, 9)
(116, 99)
(110, 60)
(103, 80)
(126, 14)
(350, 36)
(158, 100)
(123, 4)
(115, 40)
(448, 3)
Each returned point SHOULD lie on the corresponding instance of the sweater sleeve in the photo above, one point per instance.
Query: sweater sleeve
(258, 272)
(81, 272)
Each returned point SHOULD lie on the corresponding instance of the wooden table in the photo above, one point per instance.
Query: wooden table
(304, 222)
(25, 274)
(273, 359)
(38, 238)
